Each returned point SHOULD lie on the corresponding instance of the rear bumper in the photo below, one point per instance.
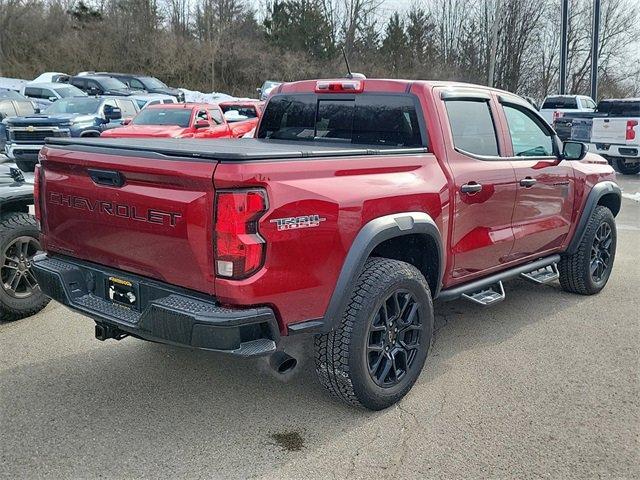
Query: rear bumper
(167, 314)
(631, 152)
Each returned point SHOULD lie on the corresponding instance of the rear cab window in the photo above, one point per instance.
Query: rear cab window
(560, 102)
(365, 119)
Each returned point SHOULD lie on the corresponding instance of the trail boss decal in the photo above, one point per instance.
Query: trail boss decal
(292, 223)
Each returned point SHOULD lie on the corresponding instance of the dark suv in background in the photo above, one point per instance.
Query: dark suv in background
(102, 85)
(146, 83)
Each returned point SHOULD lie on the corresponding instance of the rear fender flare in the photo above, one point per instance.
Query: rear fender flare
(598, 191)
(368, 238)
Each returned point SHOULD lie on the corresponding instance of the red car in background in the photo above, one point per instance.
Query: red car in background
(182, 120)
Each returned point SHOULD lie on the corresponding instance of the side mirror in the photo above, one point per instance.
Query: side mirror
(52, 99)
(126, 121)
(202, 124)
(112, 113)
(573, 150)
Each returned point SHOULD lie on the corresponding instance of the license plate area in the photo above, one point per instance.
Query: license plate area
(123, 292)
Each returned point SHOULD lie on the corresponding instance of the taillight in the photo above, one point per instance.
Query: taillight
(239, 248)
(557, 115)
(630, 131)
(36, 192)
(339, 86)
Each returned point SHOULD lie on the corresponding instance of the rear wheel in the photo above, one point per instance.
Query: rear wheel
(377, 352)
(587, 271)
(627, 168)
(20, 295)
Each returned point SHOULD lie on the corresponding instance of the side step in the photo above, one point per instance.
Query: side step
(489, 296)
(489, 290)
(543, 275)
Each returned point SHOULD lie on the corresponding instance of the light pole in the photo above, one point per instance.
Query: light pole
(594, 49)
(564, 46)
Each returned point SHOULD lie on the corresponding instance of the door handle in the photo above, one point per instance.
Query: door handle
(471, 187)
(528, 182)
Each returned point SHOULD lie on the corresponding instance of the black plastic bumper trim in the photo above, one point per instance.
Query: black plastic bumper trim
(168, 314)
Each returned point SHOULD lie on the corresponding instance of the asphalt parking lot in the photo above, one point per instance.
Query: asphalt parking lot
(545, 384)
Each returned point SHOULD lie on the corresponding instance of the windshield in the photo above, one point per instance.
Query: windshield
(112, 84)
(83, 106)
(163, 116)
(152, 82)
(11, 95)
(70, 91)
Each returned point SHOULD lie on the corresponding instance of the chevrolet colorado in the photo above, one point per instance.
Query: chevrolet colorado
(358, 203)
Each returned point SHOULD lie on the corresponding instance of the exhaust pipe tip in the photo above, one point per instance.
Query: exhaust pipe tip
(282, 363)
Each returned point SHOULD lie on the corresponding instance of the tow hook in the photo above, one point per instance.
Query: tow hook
(104, 332)
(282, 362)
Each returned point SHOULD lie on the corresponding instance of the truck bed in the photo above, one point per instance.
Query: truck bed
(223, 149)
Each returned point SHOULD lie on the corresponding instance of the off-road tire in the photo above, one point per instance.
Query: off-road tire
(340, 356)
(26, 165)
(626, 168)
(575, 275)
(13, 225)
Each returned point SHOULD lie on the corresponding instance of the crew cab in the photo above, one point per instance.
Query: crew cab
(182, 120)
(555, 106)
(69, 117)
(359, 202)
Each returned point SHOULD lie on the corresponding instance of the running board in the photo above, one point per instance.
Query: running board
(487, 283)
(543, 275)
(487, 297)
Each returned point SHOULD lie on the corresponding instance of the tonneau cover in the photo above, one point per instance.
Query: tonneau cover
(225, 149)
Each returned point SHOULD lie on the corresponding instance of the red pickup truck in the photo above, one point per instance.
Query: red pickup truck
(182, 120)
(358, 204)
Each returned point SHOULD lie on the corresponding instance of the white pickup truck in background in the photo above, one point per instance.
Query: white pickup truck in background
(555, 106)
(617, 136)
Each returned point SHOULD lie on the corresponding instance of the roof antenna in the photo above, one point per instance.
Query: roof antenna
(346, 61)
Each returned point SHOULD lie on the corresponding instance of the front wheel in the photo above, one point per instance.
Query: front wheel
(627, 168)
(373, 358)
(587, 270)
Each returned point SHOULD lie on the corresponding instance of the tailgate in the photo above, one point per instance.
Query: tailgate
(150, 215)
(609, 130)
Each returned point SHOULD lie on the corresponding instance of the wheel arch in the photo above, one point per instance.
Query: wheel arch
(605, 193)
(388, 236)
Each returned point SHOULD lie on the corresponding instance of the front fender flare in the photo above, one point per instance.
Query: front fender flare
(597, 192)
(369, 237)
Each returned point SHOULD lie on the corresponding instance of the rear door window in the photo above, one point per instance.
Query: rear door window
(127, 107)
(472, 127)
(33, 92)
(24, 108)
(383, 120)
(7, 109)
